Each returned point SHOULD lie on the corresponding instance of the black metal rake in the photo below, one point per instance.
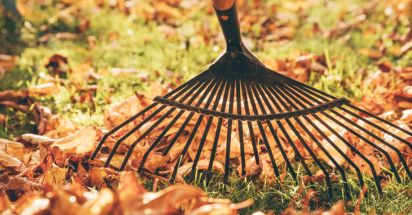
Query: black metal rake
(238, 81)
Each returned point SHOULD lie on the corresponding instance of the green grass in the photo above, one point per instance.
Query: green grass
(141, 46)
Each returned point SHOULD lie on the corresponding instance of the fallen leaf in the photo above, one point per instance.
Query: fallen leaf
(369, 53)
(36, 139)
(11, 162)
(79, 142)
(43, 90)
(55, 176)
(18, 183)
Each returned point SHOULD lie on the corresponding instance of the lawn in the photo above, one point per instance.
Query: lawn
(77, 58)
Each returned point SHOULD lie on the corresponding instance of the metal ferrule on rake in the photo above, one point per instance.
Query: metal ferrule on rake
(281, 108)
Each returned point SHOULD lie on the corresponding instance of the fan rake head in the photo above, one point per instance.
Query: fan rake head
(237, 101)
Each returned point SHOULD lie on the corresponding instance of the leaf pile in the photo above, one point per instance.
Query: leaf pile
(130, 197)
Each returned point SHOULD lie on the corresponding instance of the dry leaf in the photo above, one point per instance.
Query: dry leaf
(43, 90)
(79, 142)
(11, 162)
(55, 176)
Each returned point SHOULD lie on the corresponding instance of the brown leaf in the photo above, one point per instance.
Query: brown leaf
(96, 176)
(14, 149)
(163, 202)
(55, 176)
(66, 35)
(407, 116)
(364, 167)
(57, 62)
(13, 105)
(369, 53)
(104, 204)
(5, 203)
(43, 90)
(384, 66)
(13, 95)
(36, 139)
(165, 11)
(11, 162)
(15, 183)
(202, 164)
(275, 64)
(79, 142)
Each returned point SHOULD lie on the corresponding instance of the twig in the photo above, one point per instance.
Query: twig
(156, 181)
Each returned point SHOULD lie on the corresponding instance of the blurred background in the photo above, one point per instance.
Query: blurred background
(77, 57)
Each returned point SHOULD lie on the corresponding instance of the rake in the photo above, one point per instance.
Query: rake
(239, 93)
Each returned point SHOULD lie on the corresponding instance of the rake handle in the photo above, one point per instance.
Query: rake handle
(227, 15)
(223, 4)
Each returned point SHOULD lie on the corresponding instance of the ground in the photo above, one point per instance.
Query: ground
(136, 46)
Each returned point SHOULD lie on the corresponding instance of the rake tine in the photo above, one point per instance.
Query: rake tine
(377, 127)
(249, 123)
(380, 119)
(144, 122)
(200, 78)
(375, 176)
(302, 161)
(345, 184)
(262, 131)
(158, 140)
(375, 146)
(209, 123)
(143, 136)
(131, 132)
(272, 130)
(229, 131)
(219, 126)
(119, 127)
(303, 141)
(370, 143)
(309, 88)
(170, 124)
(240, 126)
(189, 141)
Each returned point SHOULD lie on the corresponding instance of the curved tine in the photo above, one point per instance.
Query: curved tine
(190, 115)
(303, 141)
(380, 119)
(249, 123)
(369, 142)
(375, 176)
(143, 136)
(282, 128)
(189, 141)
(201, 78)
(199, 102)
(314, 89)
(272, 130)
(219, 126)
(181, 88)
(144, 122)
(262, 131)
(220, 85)
(131, 132)
(377, 127)
(288, 94)
(168, 127)
(375, 146)
(240, 126)
(229, 130)
(158, 139)
(96, 151)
